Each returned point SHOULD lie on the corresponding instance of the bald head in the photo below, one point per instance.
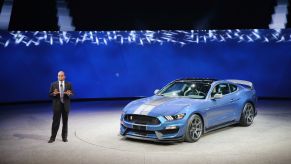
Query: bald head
(61, 76)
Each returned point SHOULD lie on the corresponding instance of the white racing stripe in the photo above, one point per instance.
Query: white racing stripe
(139, 109)
(159, 101)
(145, 109)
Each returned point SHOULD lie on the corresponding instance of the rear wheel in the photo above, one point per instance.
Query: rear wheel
(194, 128)
(247, 115)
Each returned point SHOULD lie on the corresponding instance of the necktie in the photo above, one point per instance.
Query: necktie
(62, 93)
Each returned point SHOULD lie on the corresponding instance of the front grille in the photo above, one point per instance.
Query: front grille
(141, 132)
(169, 131)
(141, 119)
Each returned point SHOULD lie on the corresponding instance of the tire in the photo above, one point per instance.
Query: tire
(247, 115)
(194, 129)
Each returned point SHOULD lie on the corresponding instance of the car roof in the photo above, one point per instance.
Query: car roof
(207, 80)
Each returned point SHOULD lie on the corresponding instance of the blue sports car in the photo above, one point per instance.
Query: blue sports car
(187, 108)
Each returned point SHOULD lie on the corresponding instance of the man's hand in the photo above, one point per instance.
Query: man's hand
(55, 92)
(68, 92)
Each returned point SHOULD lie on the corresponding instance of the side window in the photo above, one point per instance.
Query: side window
(233, 88)
(220, 88)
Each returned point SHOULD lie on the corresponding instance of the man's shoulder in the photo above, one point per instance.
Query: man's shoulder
(67, 82)
(54, 83)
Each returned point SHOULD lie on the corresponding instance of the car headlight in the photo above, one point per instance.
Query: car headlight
(175, 117)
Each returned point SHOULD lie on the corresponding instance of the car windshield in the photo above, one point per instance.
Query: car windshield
(191, 89)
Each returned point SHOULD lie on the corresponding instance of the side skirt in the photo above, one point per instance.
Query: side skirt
(220, 126)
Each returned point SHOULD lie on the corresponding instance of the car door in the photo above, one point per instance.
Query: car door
(220, 110)
(234, 99)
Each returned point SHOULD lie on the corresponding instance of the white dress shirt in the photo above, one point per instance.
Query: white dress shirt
(61, 82)
(62, 90)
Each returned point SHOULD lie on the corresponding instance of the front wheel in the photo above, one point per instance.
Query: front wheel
(194, 128)
(247, 115)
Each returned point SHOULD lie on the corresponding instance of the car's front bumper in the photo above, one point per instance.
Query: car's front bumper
(165, 131)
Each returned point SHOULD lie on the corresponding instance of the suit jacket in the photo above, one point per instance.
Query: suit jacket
(57, 100)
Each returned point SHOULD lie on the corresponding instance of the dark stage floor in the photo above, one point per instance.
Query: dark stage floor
(93, 138)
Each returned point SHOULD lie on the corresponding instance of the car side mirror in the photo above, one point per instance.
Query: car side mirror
(156, 91)
(217, 96)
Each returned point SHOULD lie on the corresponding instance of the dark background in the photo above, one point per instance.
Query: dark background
(146, 14)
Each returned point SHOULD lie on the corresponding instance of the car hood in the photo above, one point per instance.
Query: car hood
(161, 106)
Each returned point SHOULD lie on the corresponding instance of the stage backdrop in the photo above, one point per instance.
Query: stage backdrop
(127, 64)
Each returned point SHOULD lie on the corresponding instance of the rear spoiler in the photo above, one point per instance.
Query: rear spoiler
(242, 82)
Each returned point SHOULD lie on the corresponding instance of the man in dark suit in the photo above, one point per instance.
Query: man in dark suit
(60, 91)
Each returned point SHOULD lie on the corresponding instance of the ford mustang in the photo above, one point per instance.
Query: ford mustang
(185, 109)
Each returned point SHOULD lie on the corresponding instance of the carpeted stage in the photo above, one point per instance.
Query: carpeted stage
(93, 138)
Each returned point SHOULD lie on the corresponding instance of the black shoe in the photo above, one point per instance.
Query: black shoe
(51, 140)
(65, 140)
